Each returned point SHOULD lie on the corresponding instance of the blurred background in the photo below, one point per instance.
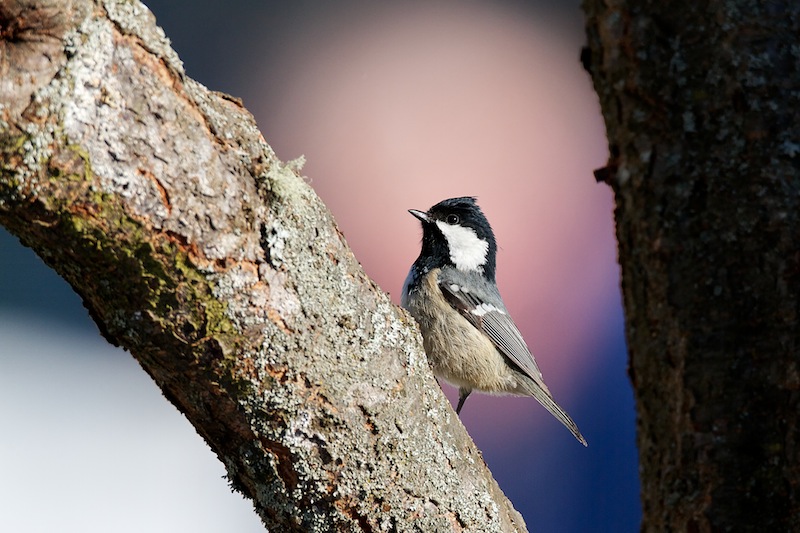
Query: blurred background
(395, 106)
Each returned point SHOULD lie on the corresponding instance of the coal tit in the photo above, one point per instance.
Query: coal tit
(467, 332)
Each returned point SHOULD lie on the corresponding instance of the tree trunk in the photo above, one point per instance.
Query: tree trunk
(222, 273)
(702, 104)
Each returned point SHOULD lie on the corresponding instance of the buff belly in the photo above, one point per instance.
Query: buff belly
(457, 351)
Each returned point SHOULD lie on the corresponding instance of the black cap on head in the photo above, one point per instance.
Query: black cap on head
(436, 245)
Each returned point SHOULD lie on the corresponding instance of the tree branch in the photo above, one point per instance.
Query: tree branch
(223, 274)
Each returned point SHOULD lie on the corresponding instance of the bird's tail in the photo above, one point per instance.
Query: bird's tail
(542, 395)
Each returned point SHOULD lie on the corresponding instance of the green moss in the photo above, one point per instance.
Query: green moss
(141, 286)
(9, 172)
(156, 273)
(9, 184)
(81, 152)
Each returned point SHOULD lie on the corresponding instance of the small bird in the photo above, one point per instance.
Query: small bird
(470, 339)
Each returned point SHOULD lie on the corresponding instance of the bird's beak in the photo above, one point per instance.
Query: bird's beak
(422, 215)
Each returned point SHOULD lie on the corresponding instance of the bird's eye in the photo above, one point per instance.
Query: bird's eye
(453, 219)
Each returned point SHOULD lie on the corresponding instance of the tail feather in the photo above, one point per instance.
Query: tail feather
(543, 396)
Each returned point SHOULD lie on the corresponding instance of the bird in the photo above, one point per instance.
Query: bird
(468, 334)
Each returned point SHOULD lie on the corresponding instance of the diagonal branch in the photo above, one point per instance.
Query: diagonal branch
(223, 274)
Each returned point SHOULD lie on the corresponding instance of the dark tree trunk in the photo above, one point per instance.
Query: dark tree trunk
(702, 107)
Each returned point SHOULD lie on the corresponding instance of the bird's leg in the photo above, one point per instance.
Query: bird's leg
(462, 397)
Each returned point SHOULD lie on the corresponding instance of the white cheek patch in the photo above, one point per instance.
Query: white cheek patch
(467, 251)
(486, 308)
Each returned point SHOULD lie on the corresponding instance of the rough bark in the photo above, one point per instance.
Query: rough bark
(221, 272)
(701, 103)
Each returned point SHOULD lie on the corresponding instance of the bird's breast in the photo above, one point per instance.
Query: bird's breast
(457, 351)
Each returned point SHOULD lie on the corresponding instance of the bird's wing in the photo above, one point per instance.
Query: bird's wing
(494, 321)
(482, 306)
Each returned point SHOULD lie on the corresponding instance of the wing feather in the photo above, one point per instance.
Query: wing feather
(484, 308)
(496, 323)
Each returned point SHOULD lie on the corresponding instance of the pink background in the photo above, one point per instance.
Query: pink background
(394, 108)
